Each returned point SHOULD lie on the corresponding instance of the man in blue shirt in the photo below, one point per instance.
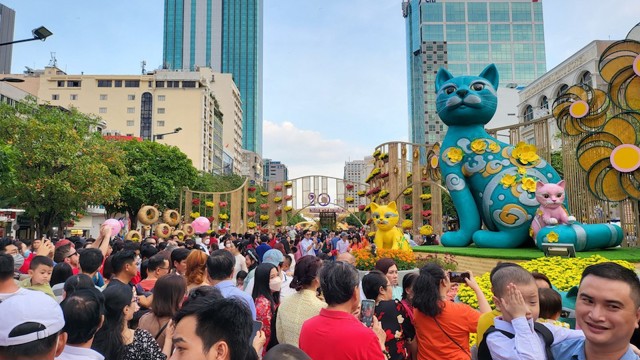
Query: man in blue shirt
(263, 247)
(220, 274)
(608, 311)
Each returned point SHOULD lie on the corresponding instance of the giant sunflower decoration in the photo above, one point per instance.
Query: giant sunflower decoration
(611, 158)
(620, 67)
(581, 109)
(433, 158)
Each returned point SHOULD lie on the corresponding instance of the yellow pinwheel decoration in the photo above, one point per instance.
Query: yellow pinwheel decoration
(620, 67)
(611, 158)
(581, 109)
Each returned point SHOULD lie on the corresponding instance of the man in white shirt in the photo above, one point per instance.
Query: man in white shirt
(343, 243)
(307, 244)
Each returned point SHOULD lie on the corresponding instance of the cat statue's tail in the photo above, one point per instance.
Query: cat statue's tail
(583, 236)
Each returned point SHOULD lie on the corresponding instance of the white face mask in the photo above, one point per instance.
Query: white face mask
(18, 260)
(275, 284)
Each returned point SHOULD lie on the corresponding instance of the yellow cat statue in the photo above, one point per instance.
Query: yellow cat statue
(388, 236)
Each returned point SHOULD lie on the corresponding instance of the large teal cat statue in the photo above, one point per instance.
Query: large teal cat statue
(498, 178)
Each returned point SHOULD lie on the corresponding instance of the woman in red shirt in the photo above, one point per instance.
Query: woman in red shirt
(266, 294)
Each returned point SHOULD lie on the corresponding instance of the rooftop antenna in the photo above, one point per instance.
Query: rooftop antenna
(142, 65)
(53, 62)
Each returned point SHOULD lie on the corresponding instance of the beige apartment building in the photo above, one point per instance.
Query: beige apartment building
(187, 109)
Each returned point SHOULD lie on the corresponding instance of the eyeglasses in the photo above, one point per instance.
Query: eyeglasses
(70, 255)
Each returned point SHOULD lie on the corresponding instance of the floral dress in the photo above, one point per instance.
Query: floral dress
(143, 347)
(398, 327)
(264, 315)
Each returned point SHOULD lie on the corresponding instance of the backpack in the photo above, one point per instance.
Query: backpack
(540, 329)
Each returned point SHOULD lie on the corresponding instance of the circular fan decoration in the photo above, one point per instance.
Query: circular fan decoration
(581, 109)
(433, 166)
(611, 158)
(620, 67)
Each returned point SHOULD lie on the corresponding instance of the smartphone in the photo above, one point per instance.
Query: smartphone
(367, 311)
(257, 326)
(458, 277)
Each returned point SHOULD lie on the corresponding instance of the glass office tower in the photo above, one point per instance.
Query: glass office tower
(225, 35)
(465, 36)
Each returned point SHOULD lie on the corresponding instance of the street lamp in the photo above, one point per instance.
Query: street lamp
(161, 136)
(40, 33)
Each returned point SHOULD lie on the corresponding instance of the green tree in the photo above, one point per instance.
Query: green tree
(217, 183)
(352, 219)
(58, 163)
(155, 173)
(556, 162)
(295, 219)
(447, 206)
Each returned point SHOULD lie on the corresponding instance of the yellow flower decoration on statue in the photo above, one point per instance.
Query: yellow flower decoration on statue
(479, 146)
(620, 67)
(425, 197)
(454, 155)
(494, 147)
(522, 171)
(552, 237)
(525, 153)
(581, 109)
(426, 230)
(407, 224)
(508, 180)
(529, 184)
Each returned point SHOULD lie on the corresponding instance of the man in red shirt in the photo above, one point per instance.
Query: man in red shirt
(68, 253)
(336, 333)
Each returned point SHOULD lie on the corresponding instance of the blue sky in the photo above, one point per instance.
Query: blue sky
(334, 70)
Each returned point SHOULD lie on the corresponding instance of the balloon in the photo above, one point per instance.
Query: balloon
(116, 226)
(201, 225)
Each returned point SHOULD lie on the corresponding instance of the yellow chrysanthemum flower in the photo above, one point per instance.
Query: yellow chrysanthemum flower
(529, 184)
(454, 154)
(479, 146)
(522, 171)
(508, 180)
(553, 237)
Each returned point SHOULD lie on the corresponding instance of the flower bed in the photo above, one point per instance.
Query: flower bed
(405, 260)
(564, 274)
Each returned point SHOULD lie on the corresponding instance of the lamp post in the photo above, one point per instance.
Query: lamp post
(161, 136)
(41, 33)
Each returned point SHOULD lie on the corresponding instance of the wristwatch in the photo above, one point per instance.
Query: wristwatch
(386, 354)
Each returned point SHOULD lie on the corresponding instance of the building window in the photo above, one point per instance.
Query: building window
(103, 97)
(102, 110)
(188, 84)
(477, 12)
(544, 103)
(104, 83)
(73, 83)
(159, 84)
(117, 83)
(131, 97)
(431, 12)
(60, 83)
(73, 96)
(146, 112)
(586, 79)
(132, 83)
(160, 110)
(131, 110)
(528, 113)
(160, 123)
(55, 97)
(161, 97)
(173, 84)
(131, 123)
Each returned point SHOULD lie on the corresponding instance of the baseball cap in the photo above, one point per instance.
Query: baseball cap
(29, 307)
(273, 256)
(63, 242)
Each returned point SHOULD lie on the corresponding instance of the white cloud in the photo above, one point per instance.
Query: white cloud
(307, 152)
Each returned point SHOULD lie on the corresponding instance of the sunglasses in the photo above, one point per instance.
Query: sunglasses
(70, 255)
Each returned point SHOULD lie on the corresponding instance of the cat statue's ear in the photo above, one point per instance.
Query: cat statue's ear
(490, 73)
(442, 77)
(392, 206)
(374, 207)
(561, 184)
(539, 184)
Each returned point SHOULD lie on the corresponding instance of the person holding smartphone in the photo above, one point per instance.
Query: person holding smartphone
(392, 315)
(443, 327)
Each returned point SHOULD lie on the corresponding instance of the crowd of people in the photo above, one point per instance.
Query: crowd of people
(289, 295)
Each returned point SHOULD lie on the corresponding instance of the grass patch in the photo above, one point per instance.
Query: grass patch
(628, 254)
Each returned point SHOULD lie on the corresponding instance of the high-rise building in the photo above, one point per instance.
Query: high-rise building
(7, 20)
(151, 106)
(274, 171)
(225, 35)
(465, 36)
(252, 166)
(355, 174)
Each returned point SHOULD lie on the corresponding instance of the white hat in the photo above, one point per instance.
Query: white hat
(29, 306)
